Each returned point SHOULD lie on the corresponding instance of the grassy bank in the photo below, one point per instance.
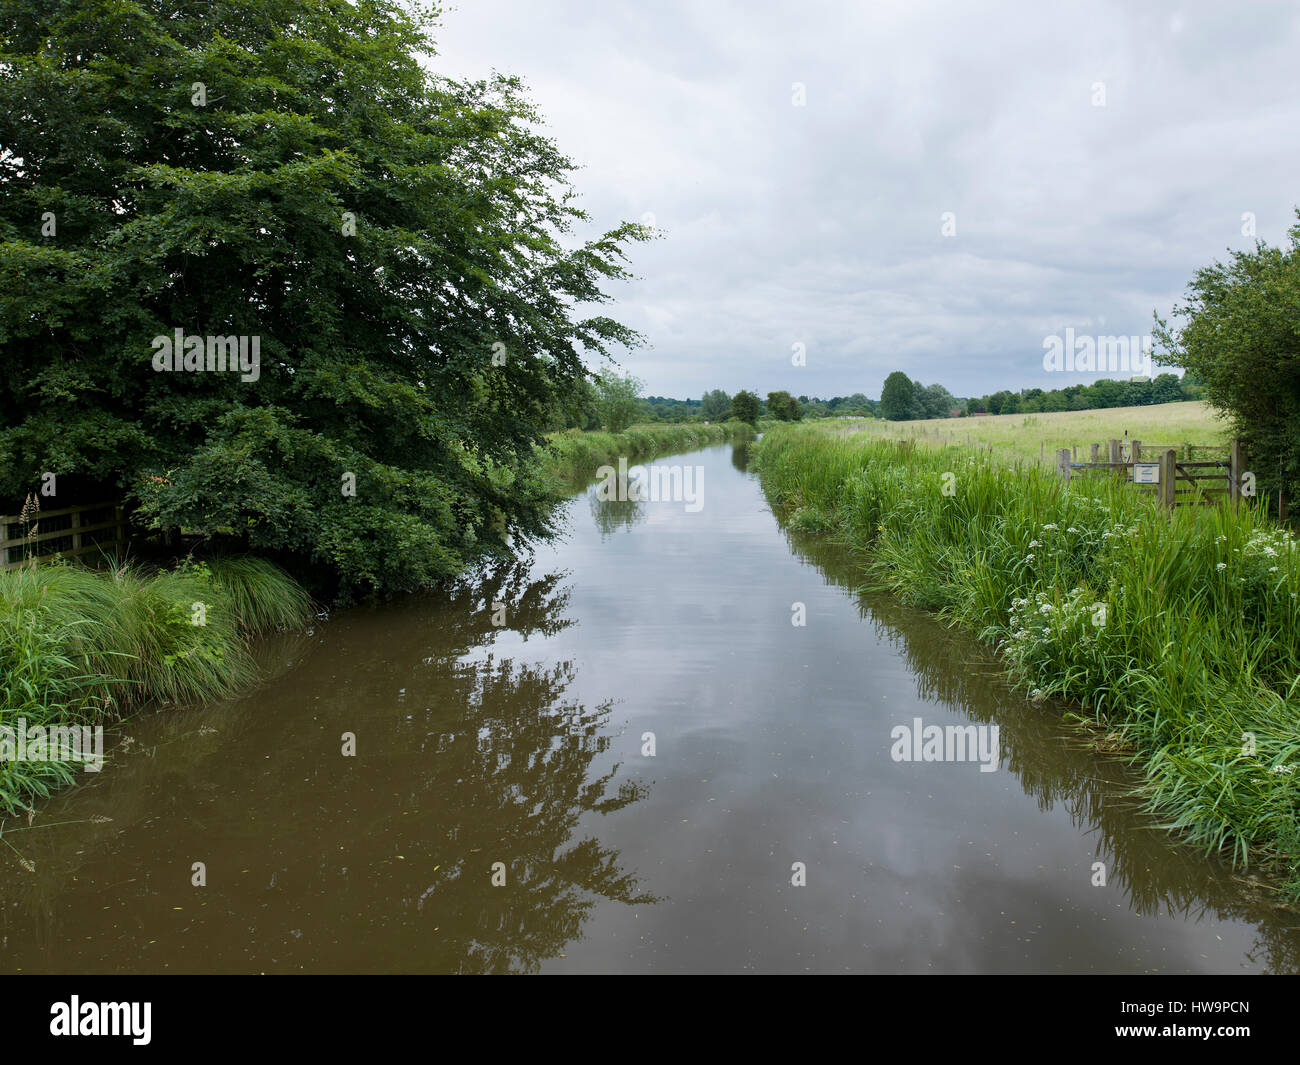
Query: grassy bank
(1178, 632)
(575, 455)
(84, 646)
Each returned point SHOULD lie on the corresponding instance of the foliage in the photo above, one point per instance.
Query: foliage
(617, 400)
(1241, 339)
(783, 407)
(898, 400)
(287, 170)
(716, 405)
(744, 407)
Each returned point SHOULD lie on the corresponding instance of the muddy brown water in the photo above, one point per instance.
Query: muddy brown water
(518, 753)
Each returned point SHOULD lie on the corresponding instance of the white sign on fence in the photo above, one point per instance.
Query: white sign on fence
(1146, 473)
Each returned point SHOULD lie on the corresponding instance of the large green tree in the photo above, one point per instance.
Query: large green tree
(716, 405)
(935, 400)
(784, 407)
(1240, 337)
(898, 400)
(744, 407)
(618, 400)
(289, 172)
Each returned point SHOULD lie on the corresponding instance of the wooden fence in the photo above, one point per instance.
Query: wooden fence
(1158, 470)
(52, 534)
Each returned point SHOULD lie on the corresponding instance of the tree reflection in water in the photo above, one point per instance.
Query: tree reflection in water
(611, 515)
(466, 757)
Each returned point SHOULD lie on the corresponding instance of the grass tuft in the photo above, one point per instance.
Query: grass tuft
(87, 646)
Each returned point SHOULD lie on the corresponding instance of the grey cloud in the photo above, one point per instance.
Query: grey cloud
(821, 224)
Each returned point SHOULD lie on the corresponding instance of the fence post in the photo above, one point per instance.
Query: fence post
(1063, 464)
(1136, 451)
(1234, 474)
(1168, 471)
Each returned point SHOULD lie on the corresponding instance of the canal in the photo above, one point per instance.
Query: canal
(668, 741)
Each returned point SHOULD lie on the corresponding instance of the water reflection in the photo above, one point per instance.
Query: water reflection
(1055, 764)
(611, 515)
(466, 757)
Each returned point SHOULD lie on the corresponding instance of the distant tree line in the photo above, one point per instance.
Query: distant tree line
(612, 402)
(904, 400)
(1164, 388)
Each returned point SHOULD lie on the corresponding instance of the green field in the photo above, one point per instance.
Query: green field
(1031, 436)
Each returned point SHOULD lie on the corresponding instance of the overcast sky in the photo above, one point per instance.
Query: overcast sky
(1093, 154)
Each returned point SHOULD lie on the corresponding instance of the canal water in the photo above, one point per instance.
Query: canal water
(624, 754)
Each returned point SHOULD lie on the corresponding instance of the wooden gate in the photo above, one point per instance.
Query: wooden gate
(1159, 472)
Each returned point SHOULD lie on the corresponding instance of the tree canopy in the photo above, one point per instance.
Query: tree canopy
(898, 400)
(1240, 338)
(715, 405)
(617, 400)
(285, 175)
(783, 406)
(744, 407)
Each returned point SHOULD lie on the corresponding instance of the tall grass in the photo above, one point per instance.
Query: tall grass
(1178, 629)
(86, 646)
(573, 455)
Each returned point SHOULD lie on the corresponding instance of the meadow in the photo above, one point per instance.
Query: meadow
(1175, 634)
(1037, 436)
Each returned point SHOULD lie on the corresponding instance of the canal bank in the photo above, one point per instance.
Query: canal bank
(519, 750)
